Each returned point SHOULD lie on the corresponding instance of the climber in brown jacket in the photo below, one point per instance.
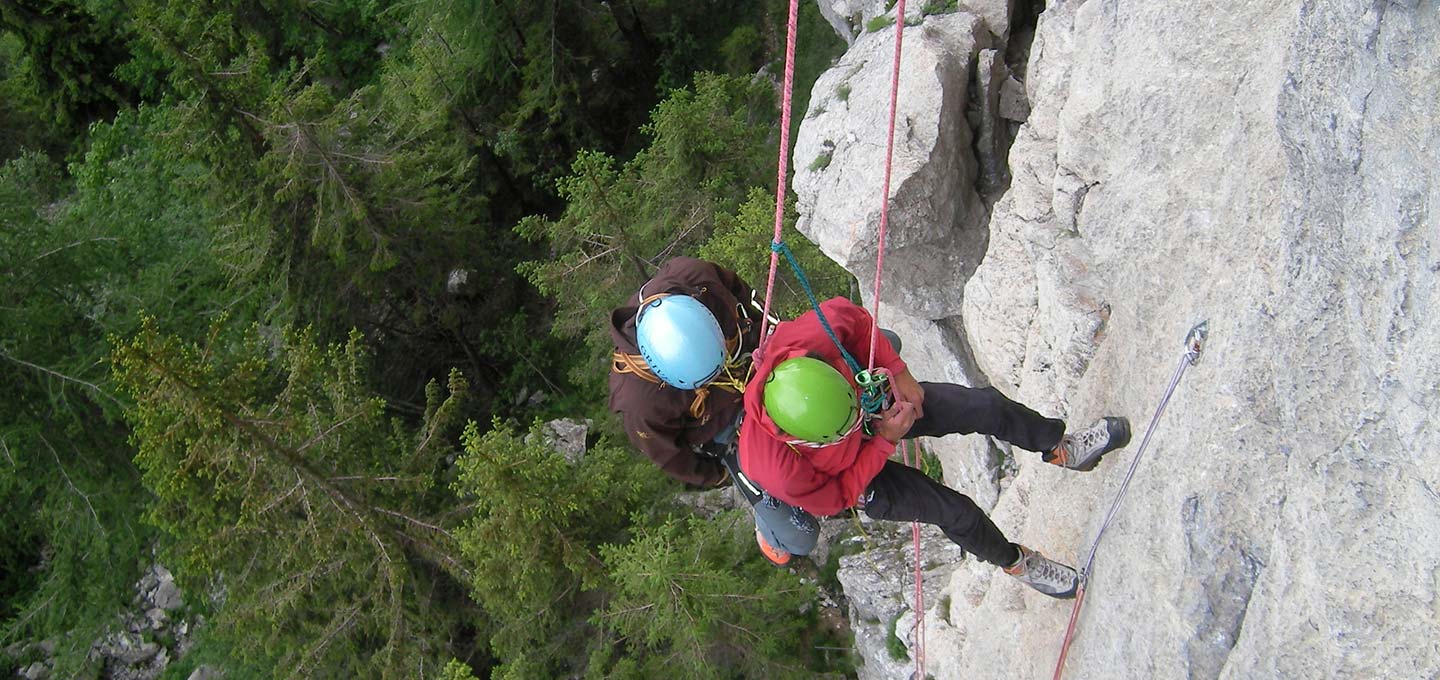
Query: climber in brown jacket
(682, 355)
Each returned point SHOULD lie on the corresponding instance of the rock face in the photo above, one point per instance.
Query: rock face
(1271, 167)
(934, 210)
(566, 436)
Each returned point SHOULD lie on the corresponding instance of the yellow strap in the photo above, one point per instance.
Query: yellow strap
(633, 364)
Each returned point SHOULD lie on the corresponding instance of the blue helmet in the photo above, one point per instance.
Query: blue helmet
(681, 340)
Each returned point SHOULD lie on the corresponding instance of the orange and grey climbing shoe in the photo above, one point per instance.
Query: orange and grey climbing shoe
(1044, 574)
(1082, 450)
(776, 556)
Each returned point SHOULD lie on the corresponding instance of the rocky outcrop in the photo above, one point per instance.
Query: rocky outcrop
(566, 436)
(840, 159)
(1268, 166)
(155, 632)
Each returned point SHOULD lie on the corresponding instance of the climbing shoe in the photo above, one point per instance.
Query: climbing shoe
(1044, 574)
(1082, 450)
(776, 556)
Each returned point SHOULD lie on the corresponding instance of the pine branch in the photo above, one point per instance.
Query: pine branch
(48, 371)
(74, 488)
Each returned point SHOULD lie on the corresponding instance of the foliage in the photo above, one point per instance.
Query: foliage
(457, 670)
(71, 53)
(894, 646)
(940, 7)
(25, 121)
(623, 220)
(331, 166)
(741, 242)
(247, 446)
(532, 543)
(880, 23)
(691, 601)
(71, 542)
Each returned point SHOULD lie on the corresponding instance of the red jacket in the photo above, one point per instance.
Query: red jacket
(823, 480)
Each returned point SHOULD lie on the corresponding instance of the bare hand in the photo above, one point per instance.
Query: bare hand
(906, 389)
(896, 421)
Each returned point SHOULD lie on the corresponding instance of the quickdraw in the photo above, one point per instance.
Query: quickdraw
(1194, 345)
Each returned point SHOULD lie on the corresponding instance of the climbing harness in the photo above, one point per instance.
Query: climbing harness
(1194, 345)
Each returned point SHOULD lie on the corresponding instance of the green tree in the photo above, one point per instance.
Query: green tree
(249, 445)
(72, 54)
(623, 220)
(741, 242)
(689, 599)
(533, 542)
(71, 538)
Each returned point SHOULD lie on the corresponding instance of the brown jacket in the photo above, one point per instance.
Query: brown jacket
(665, 422)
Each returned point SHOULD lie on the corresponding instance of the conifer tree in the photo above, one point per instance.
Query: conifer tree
(280, 481)
(533, 541)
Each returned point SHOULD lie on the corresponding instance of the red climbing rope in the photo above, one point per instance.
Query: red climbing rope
(782, 170)
(907, 447)
(783, 165)
(885, 186)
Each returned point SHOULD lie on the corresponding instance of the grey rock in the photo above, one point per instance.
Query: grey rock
(936, 230)
(849, 17)
(156, 618)
(205, 673)
(710, 503)
(1269, 166)
(1014, 104)
(992, 142)
(458, 282)
(35, 671)
(127, 649)
(996, 14)
(167, 594)
(879, 585)
(565, 436)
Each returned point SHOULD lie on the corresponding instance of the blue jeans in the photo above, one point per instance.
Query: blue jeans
(783, 526)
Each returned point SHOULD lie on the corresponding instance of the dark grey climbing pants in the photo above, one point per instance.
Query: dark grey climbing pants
(902, 493)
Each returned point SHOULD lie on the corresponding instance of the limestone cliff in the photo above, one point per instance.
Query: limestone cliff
(1267, 165)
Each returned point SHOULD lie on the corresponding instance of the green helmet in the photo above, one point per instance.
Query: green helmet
(810, 400)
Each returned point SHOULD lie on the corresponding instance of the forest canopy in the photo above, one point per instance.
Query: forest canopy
(288, 288)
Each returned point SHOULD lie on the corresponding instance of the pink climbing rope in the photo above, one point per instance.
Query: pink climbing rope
(782, 166)
(906, 447)
(885, 186)
(782, 170)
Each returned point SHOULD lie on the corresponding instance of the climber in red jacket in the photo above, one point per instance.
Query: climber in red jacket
(803, 438)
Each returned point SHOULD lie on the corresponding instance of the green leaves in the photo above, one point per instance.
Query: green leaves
(248, 446)
(536, 530)
(623, 220)
(691, 601)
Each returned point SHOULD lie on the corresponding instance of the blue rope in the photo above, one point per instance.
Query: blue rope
(872, 399)
(809, 293)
